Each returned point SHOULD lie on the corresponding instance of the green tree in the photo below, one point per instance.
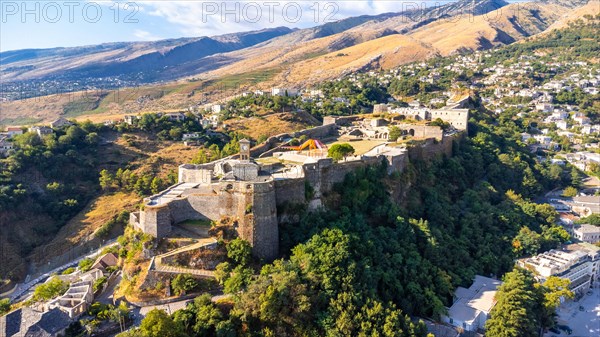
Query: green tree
(340, 151)
(183, 283)
(395, 133)
(554, 290)
(92, 138)
(518, 310)
(50, 289)
(158, 324)
(239, 251)
(569, 192)
(85, 264)
(156, 185)
(175, 133)
(575, 178)
(106, 180)
(593, 219)
(4, 306)
(237, 280)
(527, 242)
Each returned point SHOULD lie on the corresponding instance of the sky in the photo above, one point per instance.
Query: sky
(48, 24)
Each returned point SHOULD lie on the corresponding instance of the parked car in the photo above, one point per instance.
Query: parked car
(565, 328)
(555, 330)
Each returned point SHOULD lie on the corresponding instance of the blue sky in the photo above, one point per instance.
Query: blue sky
(47, 24)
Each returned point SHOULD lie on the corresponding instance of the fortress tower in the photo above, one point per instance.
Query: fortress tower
(244, 150)
(227, 188)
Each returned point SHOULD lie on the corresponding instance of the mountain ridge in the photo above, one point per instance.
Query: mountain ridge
(299, 59)
(127, 60)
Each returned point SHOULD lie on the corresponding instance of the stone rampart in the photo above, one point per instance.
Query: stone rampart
(291, 191)
(253, 204)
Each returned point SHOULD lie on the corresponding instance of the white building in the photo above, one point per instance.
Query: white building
(544, 107)
(284, 92)
(472, 306)
(41, 130)
(13, 131)
(176, 117)
(563, 125)
(579, 265)
(586, 233)
(79, 297)
(193, 135)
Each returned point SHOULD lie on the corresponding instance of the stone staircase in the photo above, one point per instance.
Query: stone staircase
(157, 265)
(180, 270)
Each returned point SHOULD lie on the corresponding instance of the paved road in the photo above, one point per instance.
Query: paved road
(107, 295)
(24, 290)
(584, 323)
(140, 313)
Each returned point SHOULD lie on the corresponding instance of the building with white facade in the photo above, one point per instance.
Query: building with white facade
(472, 306)
(579, 265)
(586, 233)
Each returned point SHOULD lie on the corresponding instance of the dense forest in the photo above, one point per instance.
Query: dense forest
(42, 185)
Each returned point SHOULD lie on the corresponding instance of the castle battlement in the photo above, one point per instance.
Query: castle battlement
(250, 191)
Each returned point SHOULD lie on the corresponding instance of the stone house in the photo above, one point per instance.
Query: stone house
(41, 130)
(60, 123)
(6, 147)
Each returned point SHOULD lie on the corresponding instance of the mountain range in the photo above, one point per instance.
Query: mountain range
(282, 55)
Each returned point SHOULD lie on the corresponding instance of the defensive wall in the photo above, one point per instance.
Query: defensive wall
(230, 188)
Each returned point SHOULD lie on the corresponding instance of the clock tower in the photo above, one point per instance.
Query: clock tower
(244, 150)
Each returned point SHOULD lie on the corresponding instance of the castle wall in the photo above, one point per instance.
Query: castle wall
(201, 174)
(458, 118)
(430, 149)
(337, 172)
(317, 132)
(423, 131)
(265, 229)
(290, 191)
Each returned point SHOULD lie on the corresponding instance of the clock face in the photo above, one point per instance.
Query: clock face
(244, 147)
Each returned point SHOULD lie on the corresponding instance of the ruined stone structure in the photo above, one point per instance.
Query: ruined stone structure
(251, 193)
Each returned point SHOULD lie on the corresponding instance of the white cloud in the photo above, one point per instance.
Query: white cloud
(145, 35)
(197, 18)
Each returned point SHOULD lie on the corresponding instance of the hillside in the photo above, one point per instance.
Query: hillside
(305, 57)
(141, 62)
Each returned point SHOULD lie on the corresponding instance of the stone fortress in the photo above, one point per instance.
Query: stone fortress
(250, 191)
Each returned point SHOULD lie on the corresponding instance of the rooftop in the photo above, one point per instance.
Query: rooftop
(29, 322)
(554, 262)
(479, 297)
(585, 228)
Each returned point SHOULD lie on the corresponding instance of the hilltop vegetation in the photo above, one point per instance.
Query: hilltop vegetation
(43, 185)
(68, 188)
